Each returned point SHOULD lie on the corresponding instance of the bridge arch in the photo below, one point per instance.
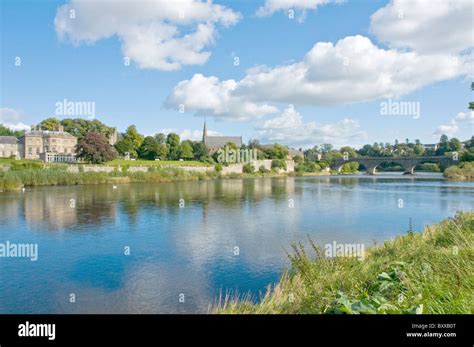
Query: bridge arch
(407, 163)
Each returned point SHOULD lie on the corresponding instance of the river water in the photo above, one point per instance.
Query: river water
(174, 247)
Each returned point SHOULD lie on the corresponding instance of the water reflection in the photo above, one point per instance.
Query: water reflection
(192, 250)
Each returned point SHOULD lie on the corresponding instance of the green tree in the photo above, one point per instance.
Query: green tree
(134, 136)
(254, 144)
(95, 148)
(419, 149)
(50, 124)
(162, 151)
(186, 150)
(276, 152)
(173, 142)
(351, 152)
(79, 127)
(4, 131)
(443, 145)
(160, 138)
(149, 148)
(200, 150)
(125, 146)
(454, 145)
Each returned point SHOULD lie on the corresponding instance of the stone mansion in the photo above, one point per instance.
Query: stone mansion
(49, 146)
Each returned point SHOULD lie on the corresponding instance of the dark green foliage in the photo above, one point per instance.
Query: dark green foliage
(95, 148)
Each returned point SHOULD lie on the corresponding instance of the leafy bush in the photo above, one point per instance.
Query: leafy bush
(262, 169)
(298, 159)
(464, 171)
(307, 166)
(218, 167)
(207, 159)
(349, 168)
(248, 168)
(278, 164)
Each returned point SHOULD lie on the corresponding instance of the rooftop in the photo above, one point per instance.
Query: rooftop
(48, 133)
(221, 141)
(11, 140)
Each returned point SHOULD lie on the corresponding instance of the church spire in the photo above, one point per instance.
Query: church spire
(204, 132)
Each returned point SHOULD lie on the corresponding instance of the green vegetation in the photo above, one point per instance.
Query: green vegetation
(350, 168)
(248, 168)
(463, 171)
(307, 167)
(278, 164)
(15, 180)
(4, 131)
(428, 272)
(95, 148)
(432, 167)
(78, 127)
(139, 162)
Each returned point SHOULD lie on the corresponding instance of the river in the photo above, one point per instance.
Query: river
(173, 247)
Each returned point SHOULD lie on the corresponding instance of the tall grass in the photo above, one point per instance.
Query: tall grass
(14, 180)
(428, 272)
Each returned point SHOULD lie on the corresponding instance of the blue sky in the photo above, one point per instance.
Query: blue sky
(87, 64)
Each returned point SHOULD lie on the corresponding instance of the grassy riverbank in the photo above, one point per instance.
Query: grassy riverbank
(15, 180)
(428, 272)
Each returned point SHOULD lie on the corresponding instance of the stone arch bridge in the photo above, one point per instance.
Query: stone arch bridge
(407, 163)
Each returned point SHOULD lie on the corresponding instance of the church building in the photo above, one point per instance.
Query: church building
(214, 143)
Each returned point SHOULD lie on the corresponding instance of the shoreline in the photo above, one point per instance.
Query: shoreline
(404, 275)
(18, 180)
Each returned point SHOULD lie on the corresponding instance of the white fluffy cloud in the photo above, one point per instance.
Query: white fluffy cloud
(156, 34)
(209, 95)
(465, 117)
(272, 6)
(352, 70)
(289, 128)
(10, 118)
(448, 129)
(428, 26)
(461, 119)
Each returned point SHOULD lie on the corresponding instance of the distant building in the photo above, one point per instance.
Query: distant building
(431, 147)
(291, 151)
(295, 153)
(9, 147)
(50, 146)
(214, 143)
